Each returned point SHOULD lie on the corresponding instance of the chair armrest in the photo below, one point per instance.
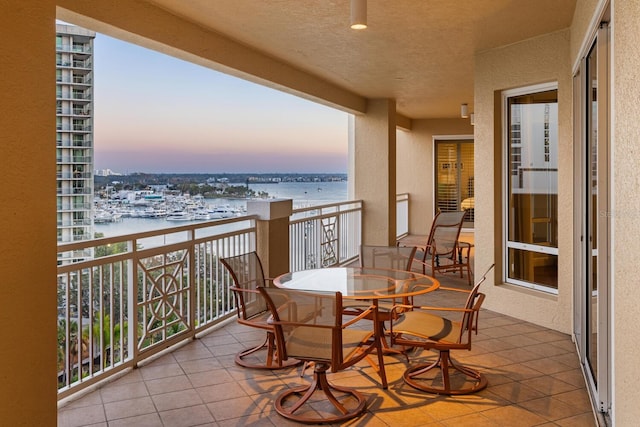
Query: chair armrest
(444, 288)
(360, 316)
(406, 307)
(249, 291)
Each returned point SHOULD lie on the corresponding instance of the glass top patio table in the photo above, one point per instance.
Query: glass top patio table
(357, 283)
(360, 283)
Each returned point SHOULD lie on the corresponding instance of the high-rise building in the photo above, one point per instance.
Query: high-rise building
(74, 133)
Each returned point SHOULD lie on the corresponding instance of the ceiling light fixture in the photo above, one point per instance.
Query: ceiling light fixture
(358, 14)
(464, 111)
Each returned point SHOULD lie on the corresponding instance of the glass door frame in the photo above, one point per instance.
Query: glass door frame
(466, 139)
(586, 246)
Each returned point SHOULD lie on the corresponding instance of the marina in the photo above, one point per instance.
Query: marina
(147, 211)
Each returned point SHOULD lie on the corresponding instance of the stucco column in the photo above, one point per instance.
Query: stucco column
(28, 211)
(272, 233)
(372, 170)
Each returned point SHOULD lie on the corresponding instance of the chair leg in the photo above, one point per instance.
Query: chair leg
(319, 383)
(272, 359)
(413, 377)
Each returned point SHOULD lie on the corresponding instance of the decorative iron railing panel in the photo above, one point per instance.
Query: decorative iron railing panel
(169, 281)
(325, 235)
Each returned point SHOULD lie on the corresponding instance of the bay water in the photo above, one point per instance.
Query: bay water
(303, 194)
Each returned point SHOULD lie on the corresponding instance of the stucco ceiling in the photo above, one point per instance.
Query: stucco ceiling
(419, 52)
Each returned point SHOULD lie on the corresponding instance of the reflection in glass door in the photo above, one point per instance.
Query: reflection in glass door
(591, 184)
(454, 178)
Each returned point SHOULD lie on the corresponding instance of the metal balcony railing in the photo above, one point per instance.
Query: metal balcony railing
(325, 235)
(402, 215)
(128, 297)
(132, 296)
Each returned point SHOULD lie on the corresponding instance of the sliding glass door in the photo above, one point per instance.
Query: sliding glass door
(593, 316)
(454, 178)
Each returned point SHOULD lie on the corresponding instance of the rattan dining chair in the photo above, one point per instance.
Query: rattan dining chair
(309, 326)
(418, 326)
(252, 310)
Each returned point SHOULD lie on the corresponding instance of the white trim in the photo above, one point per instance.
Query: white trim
(526, 90)
(590, 35)
(449, 137)
(612, 238)
(505, 243)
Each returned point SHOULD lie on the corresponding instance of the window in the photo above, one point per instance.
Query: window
(531, 185)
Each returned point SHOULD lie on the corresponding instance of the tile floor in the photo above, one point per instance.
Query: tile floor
(534, 380)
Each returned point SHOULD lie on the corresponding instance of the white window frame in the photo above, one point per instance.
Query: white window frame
(506, 176)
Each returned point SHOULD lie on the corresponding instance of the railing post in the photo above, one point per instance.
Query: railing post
(272, 233)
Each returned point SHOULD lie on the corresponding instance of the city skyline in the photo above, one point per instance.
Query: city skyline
(159, 114)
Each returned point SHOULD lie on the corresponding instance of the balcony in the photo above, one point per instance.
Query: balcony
(534, 379)
(176, 367)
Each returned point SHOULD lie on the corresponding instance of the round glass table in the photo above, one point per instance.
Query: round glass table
(367, 284)
(360, 282)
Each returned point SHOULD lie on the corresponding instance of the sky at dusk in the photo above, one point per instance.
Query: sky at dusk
(155, 113)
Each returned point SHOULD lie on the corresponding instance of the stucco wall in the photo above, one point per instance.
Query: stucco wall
(625, 221)
(538, 60)
(28, 212)
(373, 170)
(415, 166)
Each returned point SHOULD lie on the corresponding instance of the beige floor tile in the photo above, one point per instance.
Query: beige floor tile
(520, 340)
(255, 420)
(548, 366)
(81, 416)
(470, 420)
(218, 392)
(551, 409)
(176, 399)
(545, 350)
(214, 376)
(184, 417)
(549, 336)
(583, 420)
(518, 371)
(169, 384)
(195, 350)
(513, 416)
(548, 385)
(516, 392)
(90, 399)
(200, 365)
(443, 409)
(147, 420)
(408, 417)
(129, 408)
(162, 370)
(520, 355)
(118, 392)
(578, 398)
(233, 408)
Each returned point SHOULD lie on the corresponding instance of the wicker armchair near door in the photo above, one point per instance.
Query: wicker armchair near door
(247, 274)
(417, 326)
(309, 326)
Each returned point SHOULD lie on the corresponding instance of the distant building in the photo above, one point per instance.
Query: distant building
(74, 133)
(106, 172)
